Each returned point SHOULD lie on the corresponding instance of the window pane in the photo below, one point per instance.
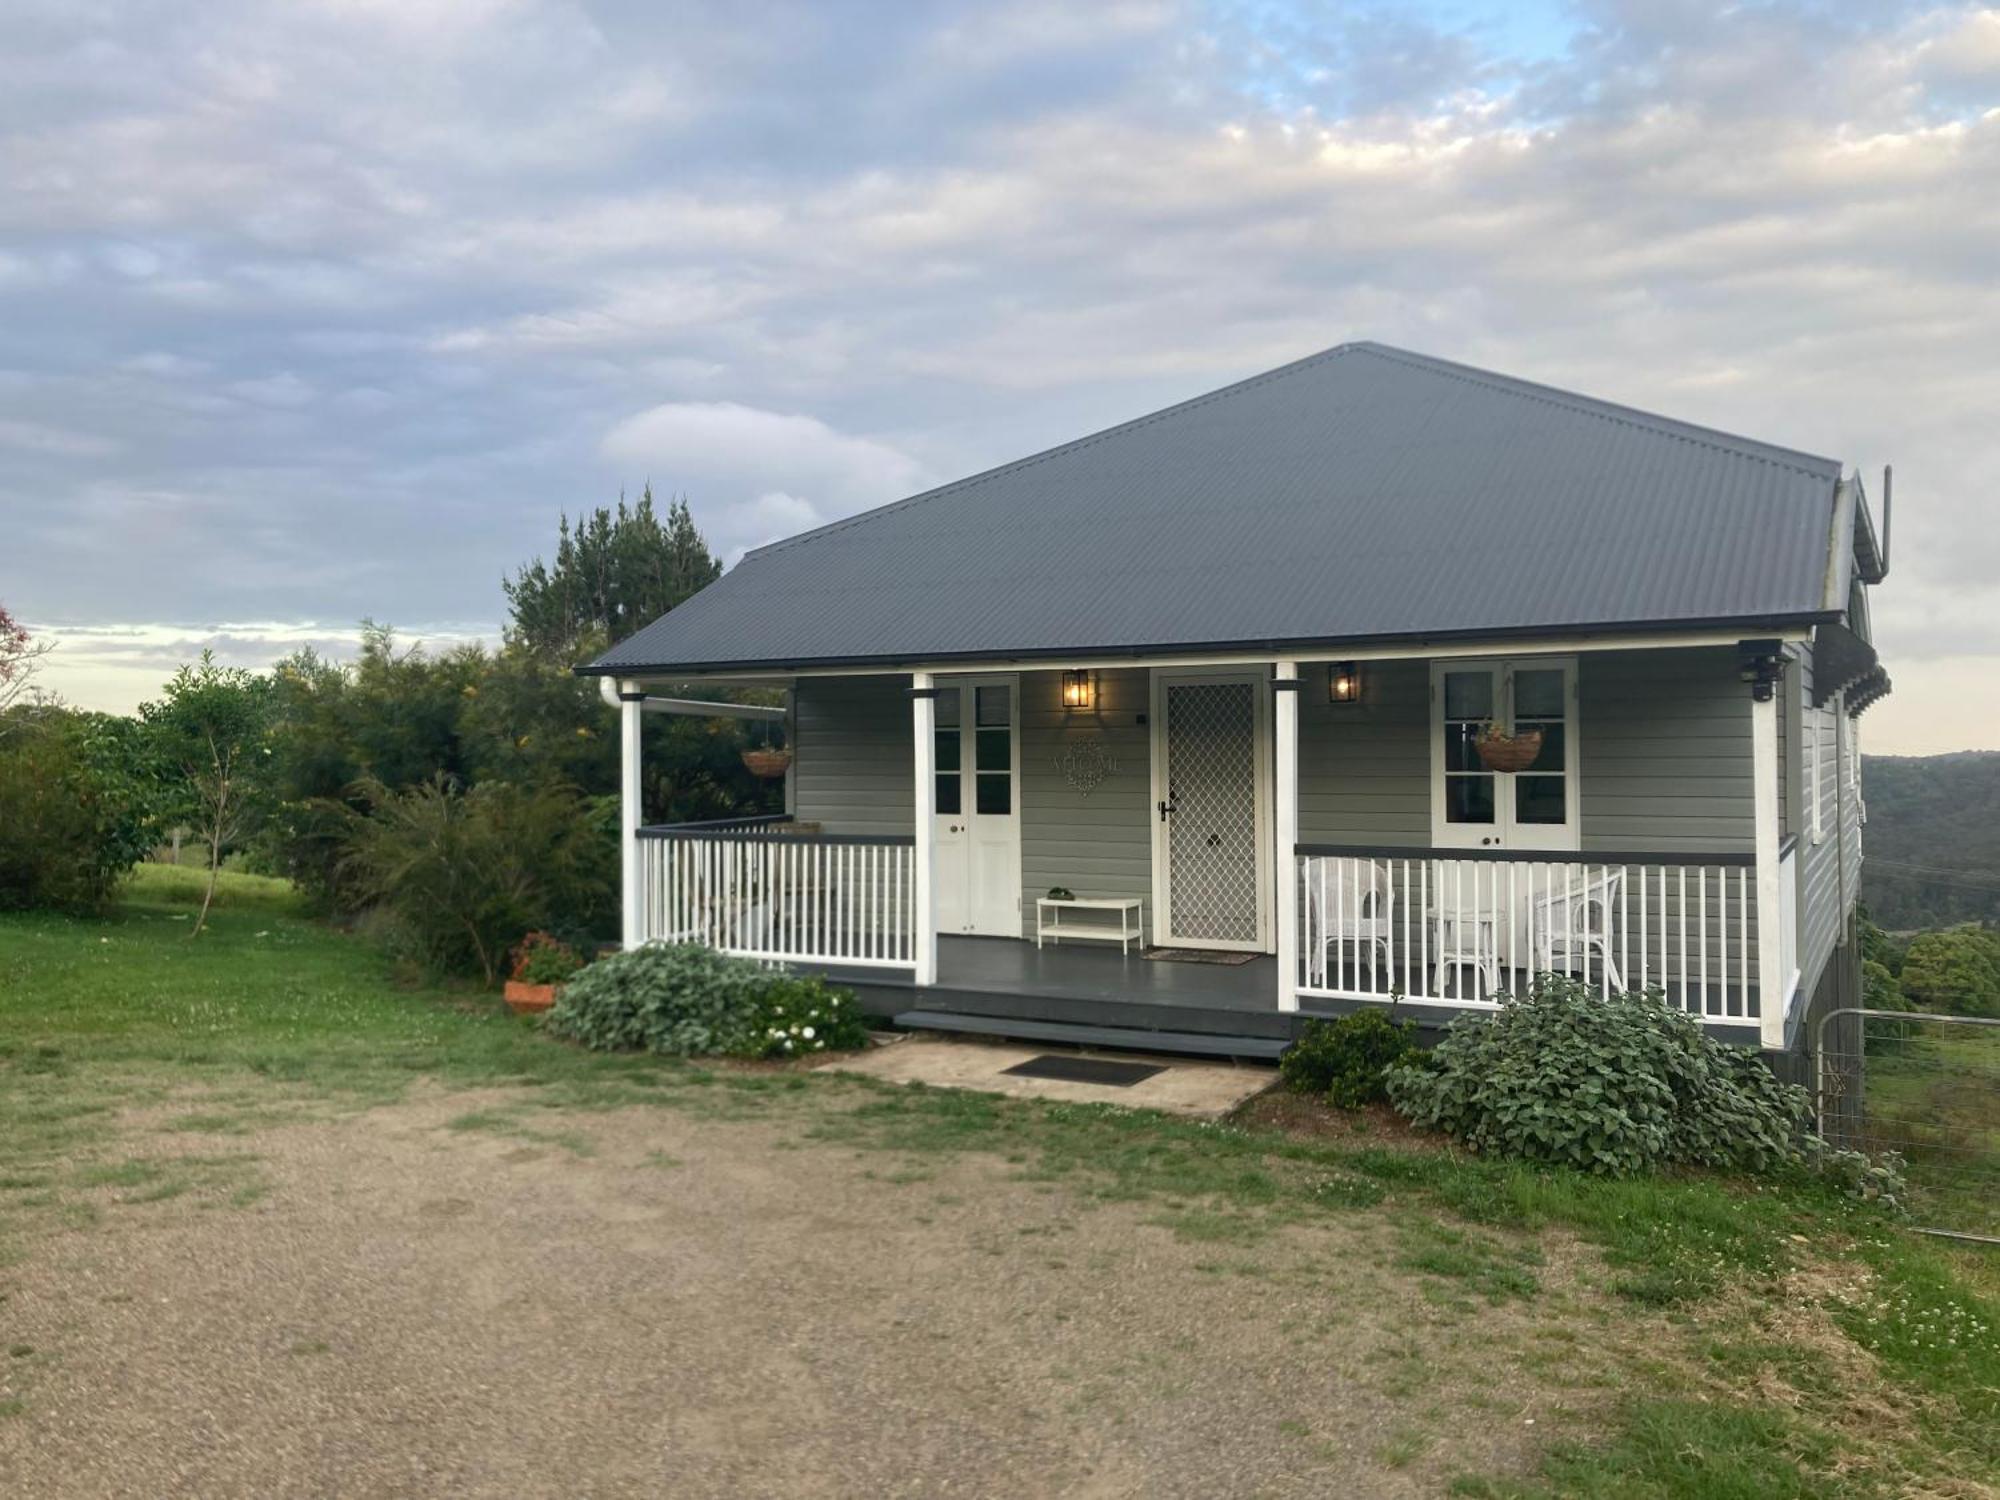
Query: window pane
(947, 795)
(1468, 695)
(1459, 754)
(947, 708)
(993, 750)
(993, 707)
(996, 793)
(1468, 799)
(947, 749)
(1550, 756)
(1540, 799)
(1539, 694)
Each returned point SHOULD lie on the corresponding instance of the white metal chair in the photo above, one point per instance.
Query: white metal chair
(1349, 901)
(1572, 920)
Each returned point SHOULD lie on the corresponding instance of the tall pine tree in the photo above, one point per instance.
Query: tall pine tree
(614, 571)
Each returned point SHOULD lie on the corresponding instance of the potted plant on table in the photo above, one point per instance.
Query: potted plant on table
(541, 964)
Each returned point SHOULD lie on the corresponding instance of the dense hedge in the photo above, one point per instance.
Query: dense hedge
(691, 1001)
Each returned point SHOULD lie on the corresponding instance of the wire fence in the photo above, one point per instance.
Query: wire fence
(1928, 1088)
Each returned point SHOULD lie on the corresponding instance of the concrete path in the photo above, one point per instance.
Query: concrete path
(1202, 1089)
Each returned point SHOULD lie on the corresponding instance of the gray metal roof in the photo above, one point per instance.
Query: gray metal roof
(1363, 494)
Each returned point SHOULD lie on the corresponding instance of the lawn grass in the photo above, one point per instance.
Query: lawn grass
(270, 1016)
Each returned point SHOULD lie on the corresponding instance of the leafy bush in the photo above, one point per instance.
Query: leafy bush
(1613, 1085)
(801, 1014)
(1345, 1060)
(76, 806)
(691, 1001)
(542, 958)
(461, 872)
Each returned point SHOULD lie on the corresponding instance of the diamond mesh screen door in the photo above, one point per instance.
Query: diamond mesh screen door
(1211, 745)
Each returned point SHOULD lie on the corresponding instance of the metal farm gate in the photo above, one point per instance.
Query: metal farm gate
(1927, 1087)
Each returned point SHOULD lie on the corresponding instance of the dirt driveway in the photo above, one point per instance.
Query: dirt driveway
(422, 1299)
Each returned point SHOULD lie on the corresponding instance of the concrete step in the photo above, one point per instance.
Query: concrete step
(1128, 1038)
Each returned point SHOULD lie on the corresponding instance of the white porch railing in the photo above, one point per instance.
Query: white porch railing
(1445, 928)
(759, 888)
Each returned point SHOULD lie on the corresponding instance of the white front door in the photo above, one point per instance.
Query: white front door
(1211, 753)
(978, 851)
(1474, 808)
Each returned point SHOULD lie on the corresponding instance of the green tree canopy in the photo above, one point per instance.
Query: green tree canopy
(614, 571)
(1955, 970)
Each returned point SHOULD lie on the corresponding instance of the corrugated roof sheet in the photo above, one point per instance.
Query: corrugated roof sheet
(1362, 494)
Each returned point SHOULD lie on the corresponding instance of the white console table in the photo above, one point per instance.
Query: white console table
(1056, 919)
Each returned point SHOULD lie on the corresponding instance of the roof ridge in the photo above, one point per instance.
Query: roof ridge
(1608, 411)
(1013, 466)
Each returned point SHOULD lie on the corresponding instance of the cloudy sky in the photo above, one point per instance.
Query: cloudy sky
(321, 311)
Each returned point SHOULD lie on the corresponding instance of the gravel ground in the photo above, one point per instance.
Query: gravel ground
(711, 1307)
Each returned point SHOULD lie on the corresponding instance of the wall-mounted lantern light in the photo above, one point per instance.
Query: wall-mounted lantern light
(1079, 689)
(1343, 683)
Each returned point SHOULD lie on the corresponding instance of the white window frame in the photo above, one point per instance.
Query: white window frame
(1566, 837)
(1810, 723)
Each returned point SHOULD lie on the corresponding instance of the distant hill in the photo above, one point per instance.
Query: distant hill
(1931, 851)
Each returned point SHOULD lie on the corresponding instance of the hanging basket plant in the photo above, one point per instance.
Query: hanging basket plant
(768, 763)
(1499, 751)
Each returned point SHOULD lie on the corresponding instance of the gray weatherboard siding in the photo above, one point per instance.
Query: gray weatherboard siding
(1100, 844)
(1664, 763)
(854, 758)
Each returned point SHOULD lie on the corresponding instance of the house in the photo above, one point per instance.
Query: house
(1225, 676)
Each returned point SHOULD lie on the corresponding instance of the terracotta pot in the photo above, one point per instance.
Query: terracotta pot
(529, 999)
(769, 764)
(1509, 752)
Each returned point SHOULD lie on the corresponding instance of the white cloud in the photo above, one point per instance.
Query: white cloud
(763, 474)
(36, 437)
(331, 307)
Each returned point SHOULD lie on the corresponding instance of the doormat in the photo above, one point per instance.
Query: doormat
(1119, 1075)
(1198, 956)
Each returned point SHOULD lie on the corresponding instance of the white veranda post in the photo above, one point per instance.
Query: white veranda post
(1284, 862)
(1771, 976)
(631, 702)
(923, 717)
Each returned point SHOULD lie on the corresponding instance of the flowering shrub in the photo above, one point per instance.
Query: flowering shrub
(799, 1016)
(691, 1001)
(540, 958)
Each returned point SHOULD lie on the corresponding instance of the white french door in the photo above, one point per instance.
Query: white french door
(1211, 794)
(1474, 808)
(978, 825)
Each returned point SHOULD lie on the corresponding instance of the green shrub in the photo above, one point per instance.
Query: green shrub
(76, 807)
(1613, 1085)
(693, 1002)
(543, 958)
(459, 874)
(801, 1014)
(1345, 1060)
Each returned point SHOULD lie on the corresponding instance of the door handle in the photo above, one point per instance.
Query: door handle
(1167, 807)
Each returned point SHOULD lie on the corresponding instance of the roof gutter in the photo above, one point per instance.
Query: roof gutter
(1633, 636)
(609, 690)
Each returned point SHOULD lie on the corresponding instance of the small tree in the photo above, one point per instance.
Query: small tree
(20, 657)
(210, 736)
(613, 572)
